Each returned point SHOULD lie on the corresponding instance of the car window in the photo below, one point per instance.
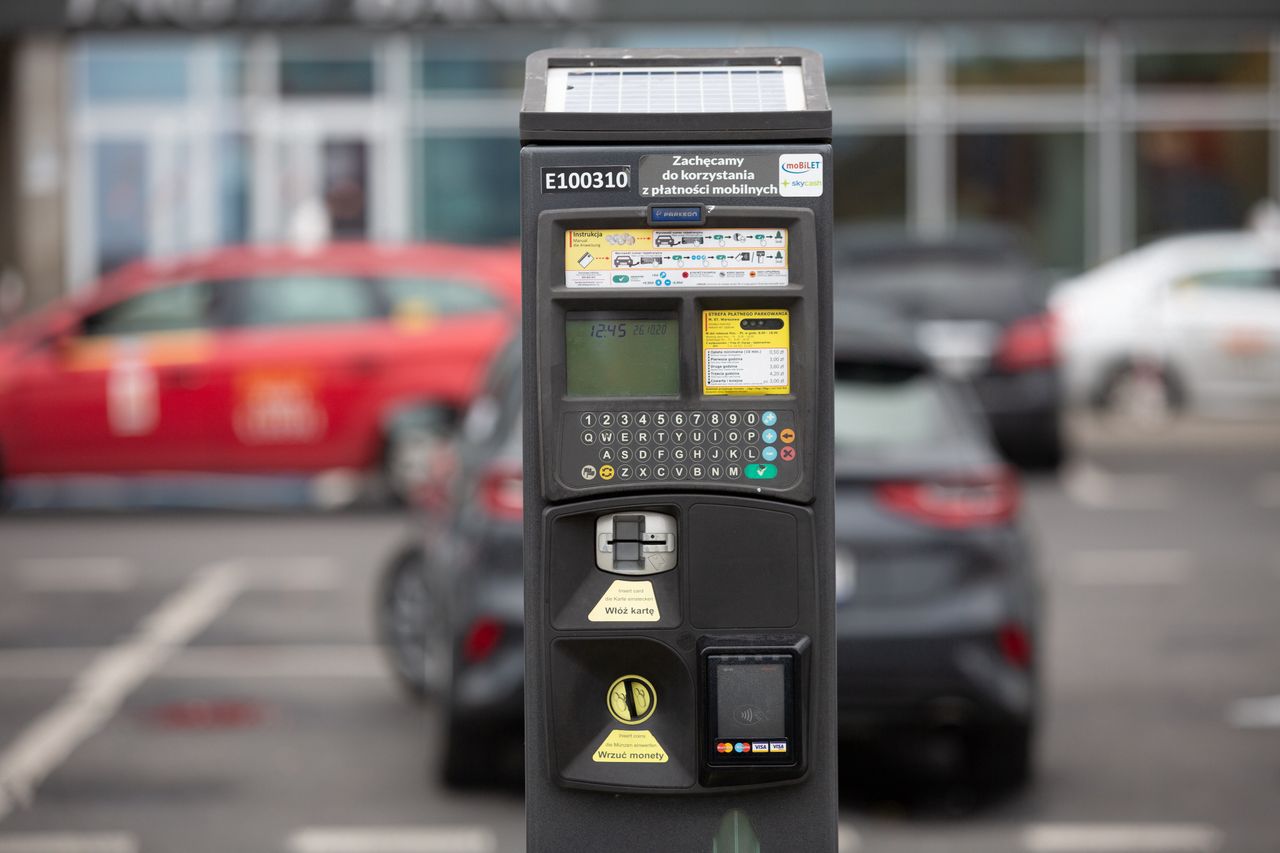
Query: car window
(881, 409)
(307, 300)
(930, 289)
(440, 297)
(1243, 279)
(186, 306)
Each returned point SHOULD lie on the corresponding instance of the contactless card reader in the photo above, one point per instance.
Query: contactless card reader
(679, 568)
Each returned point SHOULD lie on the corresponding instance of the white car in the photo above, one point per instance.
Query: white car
(1185, 322)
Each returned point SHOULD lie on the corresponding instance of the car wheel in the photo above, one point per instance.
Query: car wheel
(1143, 394)
(411, 626)
(477, 756)
(1002, 758)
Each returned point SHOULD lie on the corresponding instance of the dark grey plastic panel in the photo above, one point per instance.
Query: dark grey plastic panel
(745, 567)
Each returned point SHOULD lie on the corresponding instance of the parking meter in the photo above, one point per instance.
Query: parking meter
(679, 603)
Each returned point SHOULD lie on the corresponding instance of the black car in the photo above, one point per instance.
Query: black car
(450, 612)
(938, 600)
(978, 306)
(936, 593)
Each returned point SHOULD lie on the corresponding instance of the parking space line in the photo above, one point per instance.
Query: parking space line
(77, 574)
(99, 690)
(228, 663)
(68, 842)
(1092, 486)
(1262, 712)
(434, 839)
(1121, 838)
(848, 839)
(1131, 567)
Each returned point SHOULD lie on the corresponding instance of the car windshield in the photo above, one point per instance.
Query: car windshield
(938, 288)
(887, 410)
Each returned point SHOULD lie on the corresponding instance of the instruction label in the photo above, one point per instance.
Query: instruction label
(630, 746)
(746, 352)
(626, 601)
(676, 257)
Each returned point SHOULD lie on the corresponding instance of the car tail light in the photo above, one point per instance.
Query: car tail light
(1015, 645)
(1029, 343)
(482, 638)
(502, 491)
(954, 504)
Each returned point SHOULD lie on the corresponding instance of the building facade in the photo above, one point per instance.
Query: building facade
(1089, 135)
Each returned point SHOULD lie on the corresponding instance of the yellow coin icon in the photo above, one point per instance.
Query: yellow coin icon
(631, 699)
(606, 472)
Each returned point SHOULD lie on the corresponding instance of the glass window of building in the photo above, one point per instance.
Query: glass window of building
(479, 62)
(325, 67)
(854, 58)
(1032, 183)
(468, 188)
(1200, 60)
(871, 178)
(345, 164)
(233, 187)
(1196, 180)
(122, 209)
(133, 69)
(1017, 57)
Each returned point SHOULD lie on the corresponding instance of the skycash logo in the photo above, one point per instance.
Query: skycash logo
(800, 175)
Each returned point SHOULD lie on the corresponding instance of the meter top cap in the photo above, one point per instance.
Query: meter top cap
(662, 95)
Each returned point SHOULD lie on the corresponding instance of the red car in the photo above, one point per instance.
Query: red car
(252, 359)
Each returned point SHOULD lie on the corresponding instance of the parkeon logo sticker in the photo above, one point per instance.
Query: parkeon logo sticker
(800, 175)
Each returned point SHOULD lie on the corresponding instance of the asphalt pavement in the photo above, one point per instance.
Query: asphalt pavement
(207, 683)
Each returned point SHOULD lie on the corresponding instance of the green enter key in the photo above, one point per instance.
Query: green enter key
(762, 472)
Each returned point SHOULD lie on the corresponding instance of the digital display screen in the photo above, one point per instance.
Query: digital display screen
(751, 701)
(631, 355)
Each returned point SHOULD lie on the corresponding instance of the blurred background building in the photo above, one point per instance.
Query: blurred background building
(160, 127)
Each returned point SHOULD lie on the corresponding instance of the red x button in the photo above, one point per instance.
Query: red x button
(787, 453)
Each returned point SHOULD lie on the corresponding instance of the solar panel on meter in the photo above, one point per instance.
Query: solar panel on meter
(753, 88)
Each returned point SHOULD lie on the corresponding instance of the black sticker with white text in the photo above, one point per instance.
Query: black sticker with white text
(577, 179)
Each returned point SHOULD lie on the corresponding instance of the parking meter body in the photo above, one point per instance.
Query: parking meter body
(679, 604)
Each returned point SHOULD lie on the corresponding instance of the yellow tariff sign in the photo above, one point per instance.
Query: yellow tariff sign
(746, 352)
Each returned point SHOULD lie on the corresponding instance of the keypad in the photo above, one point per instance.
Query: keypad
(745, 446)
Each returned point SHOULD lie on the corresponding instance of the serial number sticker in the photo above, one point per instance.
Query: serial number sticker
(676, 257)
(747, 352)
(566, 179)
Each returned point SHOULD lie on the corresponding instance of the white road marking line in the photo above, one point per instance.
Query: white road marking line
(848, 839)
(1267, 491)
(1090, 485)
(68, 842)
(1262, 712)
(229, 663)
(77, 574)
(1131, 567)
(1121, 838)
(99, 690)
(436, 839)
